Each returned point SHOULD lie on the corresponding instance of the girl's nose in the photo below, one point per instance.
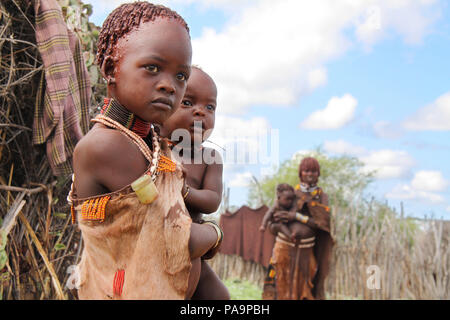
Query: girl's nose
(166, 84)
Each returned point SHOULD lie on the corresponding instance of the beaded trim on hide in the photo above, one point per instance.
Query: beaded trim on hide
(119, 279)
(94, 209)
(166, 164)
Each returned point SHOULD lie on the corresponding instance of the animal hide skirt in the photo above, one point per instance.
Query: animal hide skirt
(295, 267)
(138, 251)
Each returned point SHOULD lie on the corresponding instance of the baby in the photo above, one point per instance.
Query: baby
(188, 128)
(286, 201)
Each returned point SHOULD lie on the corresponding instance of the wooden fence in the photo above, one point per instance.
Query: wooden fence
(378, 255)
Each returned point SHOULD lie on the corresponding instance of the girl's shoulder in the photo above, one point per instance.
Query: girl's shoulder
(102, 145)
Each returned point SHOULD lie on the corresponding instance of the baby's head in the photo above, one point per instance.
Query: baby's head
(196, 113)
(309, 171)
(285, 195)
(144, 53)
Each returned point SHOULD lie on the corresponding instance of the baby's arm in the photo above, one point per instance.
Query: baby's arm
(207, 199)
(203, 238)
(268, 216)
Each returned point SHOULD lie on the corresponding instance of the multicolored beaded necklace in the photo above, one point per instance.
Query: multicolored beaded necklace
(307, 188)
(115, 111)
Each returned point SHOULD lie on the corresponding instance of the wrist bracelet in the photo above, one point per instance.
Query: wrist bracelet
(187, 192)
(218, 230)
(302, 218)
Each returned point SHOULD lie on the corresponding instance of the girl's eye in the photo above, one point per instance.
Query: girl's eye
(186, 103)
(181, 77)
(152, 68)
(210, 107)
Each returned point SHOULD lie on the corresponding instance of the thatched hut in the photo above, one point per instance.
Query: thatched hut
(37, 241)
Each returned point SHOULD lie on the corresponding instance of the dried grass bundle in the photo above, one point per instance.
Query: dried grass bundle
(37, 242)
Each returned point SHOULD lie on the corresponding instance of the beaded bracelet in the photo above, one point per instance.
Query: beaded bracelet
(302, 218)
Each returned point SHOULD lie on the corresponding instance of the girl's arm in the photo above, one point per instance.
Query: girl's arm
(203, 238)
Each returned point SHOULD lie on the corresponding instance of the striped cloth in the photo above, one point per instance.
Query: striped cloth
(61, 113)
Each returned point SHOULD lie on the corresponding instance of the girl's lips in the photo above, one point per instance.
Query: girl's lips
(162, 103)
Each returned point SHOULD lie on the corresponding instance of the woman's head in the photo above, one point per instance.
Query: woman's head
(309, 170)
(144, 53)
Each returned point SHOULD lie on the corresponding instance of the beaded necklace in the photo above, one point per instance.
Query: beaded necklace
(115, 111)
(94, 208)
(307, 188)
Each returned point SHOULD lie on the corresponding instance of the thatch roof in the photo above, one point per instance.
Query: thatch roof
(41, 243)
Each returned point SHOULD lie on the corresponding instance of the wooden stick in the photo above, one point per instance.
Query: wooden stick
(35, 264)
(48, 264)
(10, 219)
(27, 191)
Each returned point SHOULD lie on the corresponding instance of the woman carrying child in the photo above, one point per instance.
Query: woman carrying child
(301, 266)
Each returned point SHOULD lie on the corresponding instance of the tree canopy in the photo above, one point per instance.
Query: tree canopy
(341, 177)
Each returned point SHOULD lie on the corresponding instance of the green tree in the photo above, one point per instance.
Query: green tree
(341, 177)
(345, 182)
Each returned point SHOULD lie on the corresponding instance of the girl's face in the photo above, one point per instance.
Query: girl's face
(196, 114)
(150, 69)
(310, 177)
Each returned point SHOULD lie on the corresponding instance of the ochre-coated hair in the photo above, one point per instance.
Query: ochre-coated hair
(284, 187)
(308, 163)
(126, 18)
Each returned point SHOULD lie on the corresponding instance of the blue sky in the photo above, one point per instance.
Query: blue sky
(369, 79)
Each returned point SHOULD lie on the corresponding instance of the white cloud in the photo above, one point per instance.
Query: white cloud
(246, 142)
(241, 180)
(388, 164)
(435, 116)
(410, 19)
(230, 5)
(429, 181)
(386, 130)
(343, 147)
(425, 186)
(369, 27)
(338, 113)
(230, 129)
(272, 52)
(407, 192)
(317, 78)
